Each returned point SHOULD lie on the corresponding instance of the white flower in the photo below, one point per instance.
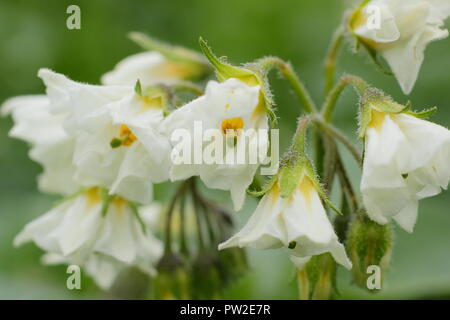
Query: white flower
(299, 262)
(406, 159)
(298, 222)
(99, 115)
(150, 68)
(78, 231)
(50, 145)
(405, 28)
(228, 105)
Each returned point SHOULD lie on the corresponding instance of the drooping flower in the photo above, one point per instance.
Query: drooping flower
(104, 237)
(229, 111)
(50, 145)
(149, 68)
(400, 30)
(406, 159)
(298, 223)
(117, 141)
(162, 63)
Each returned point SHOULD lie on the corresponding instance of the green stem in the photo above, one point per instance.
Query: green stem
(201, 240)
(336, 133)
(298, 143)
(168, 227)
(346, 185)
(330, 103)
(330, 61)
(183, 244)
(288, 72)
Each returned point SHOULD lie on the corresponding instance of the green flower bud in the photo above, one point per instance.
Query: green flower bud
(317, 278)
(369, 245)
(172, 281)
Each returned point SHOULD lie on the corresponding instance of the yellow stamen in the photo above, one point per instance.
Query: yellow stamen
(127, 135)
(235, 124)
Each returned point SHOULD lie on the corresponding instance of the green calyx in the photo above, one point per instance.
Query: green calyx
(295, 167)
(375, 100)
(369, 244)
(251, 74)
(317, 279)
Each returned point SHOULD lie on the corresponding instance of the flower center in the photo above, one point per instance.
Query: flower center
(232, 126)
(126, 138)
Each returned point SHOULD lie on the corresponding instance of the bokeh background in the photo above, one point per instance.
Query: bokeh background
(33, 34)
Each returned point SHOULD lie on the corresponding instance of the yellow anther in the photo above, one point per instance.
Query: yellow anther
(235, 124)
(127, 135)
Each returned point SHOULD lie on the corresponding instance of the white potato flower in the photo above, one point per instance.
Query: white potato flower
(117, 141)
(400, 30)
(406, 159)
(50, 145)
(298, 222)
(149, 67)
(102, 239)
(231, 113)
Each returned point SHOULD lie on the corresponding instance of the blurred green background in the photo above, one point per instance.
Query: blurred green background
(33, 34)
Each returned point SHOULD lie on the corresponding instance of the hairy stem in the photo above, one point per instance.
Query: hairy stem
(340, 136)
(330, 61)
(330, 103)
(288, 72)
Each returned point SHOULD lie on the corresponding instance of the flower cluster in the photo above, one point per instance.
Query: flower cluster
(157, 114)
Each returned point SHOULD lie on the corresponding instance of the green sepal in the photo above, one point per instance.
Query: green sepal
(225, 70)
(106, 201)
(290, 174)
(424, 114)
(375, 99)
(70, 197)
(374, 57)
(265, 188)
(251, 74)
(134, 209)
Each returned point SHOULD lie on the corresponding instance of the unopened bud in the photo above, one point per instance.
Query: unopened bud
(316, 277)
(369, 245)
